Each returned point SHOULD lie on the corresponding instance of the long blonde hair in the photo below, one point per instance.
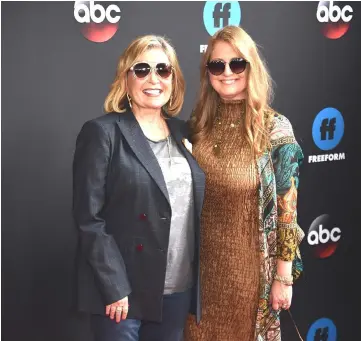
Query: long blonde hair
(117, 97)
(258, 92)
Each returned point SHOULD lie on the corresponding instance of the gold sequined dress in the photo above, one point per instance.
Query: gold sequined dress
(230, 261)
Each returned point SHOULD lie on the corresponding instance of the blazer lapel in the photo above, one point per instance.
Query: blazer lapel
(133, 133)
(197, 173)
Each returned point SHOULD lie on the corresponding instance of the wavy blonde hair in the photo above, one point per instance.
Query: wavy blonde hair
(116, 99)
(258, 91)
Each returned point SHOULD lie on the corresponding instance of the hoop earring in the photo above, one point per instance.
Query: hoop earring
(129, 101)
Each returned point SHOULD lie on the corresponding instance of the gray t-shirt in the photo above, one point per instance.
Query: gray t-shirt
(178, 178)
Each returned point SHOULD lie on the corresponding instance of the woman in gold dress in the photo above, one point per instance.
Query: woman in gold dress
(249, 254)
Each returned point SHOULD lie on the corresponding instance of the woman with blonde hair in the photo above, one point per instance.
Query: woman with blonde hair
(249, 254)
(137, 196)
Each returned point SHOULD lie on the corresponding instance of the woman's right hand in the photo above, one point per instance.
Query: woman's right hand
(118, 309)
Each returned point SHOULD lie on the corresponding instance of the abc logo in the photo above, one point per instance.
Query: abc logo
(333, 13)
(98, 23)
(90, 13)
(335, 19)
(323, 236)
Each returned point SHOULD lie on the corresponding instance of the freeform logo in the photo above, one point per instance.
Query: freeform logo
(99, 24)
(322, 330)
(327, 132)
(203, 48)
(335, 20)
(323, 236)
(217, 15)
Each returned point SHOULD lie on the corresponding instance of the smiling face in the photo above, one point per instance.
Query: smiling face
(152, 91)
(228, 85)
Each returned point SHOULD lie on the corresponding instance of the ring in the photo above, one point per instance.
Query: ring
(118, 309)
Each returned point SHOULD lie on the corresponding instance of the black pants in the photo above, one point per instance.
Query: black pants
(175, 311)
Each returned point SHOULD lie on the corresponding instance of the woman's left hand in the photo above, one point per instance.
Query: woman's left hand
(280, 296)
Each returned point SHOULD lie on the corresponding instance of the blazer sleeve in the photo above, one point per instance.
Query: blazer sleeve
(287, 156)
(90, 166)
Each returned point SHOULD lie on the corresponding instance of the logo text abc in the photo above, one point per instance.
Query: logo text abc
(333, 13)
(91, 15)
(323, 236)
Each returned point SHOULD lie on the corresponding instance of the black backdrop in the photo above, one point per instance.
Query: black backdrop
(53, 80)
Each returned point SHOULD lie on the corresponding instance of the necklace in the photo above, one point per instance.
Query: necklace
(218, 125)
(168, 144)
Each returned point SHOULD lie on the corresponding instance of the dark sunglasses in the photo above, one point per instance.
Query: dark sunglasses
(217, 67)
(143, 69)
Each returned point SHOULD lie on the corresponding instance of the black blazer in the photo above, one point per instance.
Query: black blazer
(121, 208)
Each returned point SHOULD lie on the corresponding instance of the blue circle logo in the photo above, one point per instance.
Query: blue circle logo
(328, 128)
(322, 329)
(217, 15)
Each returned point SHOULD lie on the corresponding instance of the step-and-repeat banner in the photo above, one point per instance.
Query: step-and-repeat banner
(58, 60)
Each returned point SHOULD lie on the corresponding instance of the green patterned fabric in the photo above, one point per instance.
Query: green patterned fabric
(279, 233)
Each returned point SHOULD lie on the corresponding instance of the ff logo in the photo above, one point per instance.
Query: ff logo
(335, 20)
(99, 24)
(323, 236)
(217, 15)
(322, 330)
(328, 128)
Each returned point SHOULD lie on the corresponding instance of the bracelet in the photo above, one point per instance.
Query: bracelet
(286, 280)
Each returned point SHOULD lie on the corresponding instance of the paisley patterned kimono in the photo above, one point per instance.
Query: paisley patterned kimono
(279, 233)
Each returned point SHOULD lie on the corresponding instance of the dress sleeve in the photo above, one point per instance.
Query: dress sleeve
(286, 156)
